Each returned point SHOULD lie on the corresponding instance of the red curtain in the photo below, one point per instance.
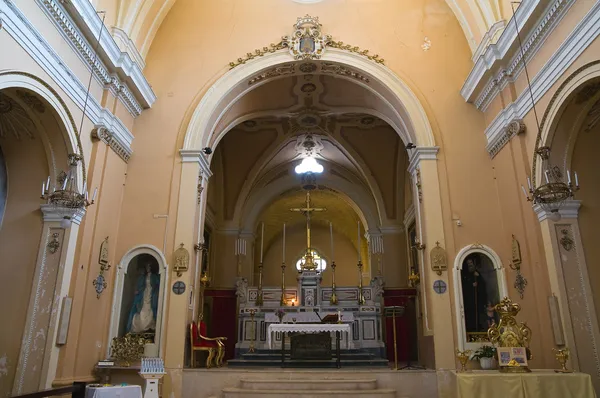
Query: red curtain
(223, 316)
(406, 325)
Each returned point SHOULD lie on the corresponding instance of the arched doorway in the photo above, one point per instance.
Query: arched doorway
(39, 146)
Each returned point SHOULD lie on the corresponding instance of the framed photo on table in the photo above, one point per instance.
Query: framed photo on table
(506, 356)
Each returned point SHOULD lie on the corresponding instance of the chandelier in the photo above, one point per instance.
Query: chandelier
(553, 191)
(65, 197)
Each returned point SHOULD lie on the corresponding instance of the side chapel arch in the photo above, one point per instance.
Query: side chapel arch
(459, 263)
(123, 269)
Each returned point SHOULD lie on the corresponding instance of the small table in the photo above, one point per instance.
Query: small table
(284, 328)
(538, 383)
(129, 391)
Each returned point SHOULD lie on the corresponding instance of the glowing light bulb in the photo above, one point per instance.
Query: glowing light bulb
(309, 165)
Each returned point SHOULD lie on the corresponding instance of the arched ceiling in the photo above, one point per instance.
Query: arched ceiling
(141, 19)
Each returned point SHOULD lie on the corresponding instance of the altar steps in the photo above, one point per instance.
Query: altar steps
(286, 388)
(272, 358)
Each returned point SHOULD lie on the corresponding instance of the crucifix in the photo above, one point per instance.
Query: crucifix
(309, 263)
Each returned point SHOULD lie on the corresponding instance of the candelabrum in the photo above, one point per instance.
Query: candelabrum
(333, 299)
(259, 292)
(361, 297)
(282, 300)
(252, 312)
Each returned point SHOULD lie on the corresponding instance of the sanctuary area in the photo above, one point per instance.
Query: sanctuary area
(299, 198)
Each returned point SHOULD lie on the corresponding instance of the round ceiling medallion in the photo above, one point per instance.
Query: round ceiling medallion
(309, 120)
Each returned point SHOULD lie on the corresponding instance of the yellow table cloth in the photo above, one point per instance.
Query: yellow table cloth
(538, 384)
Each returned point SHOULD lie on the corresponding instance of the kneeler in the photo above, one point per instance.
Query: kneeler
(199, 342)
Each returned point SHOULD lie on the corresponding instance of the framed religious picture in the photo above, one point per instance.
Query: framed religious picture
(512, 356)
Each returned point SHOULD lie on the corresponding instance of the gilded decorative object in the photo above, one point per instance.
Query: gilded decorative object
(566, 241)
(129, 348)
(361, 296)
(562, 356)
(515, 264)
(252, 312)
(182, 260)
(477, 337)
(54, 244)
(306, 42)
(463, 358)
(333, 299)
(308, 262)
(418, 184)
(438, 259)
(414, 278)
(508, 333)
(282, 301)
(100, 281)
(259, 292)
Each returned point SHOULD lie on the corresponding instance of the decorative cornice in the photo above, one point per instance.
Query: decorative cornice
(545, 26)
(103, 134)
(421, 153)
(568, 211)
(580, 38)
(52, 213)
(128, 46)
(23, 32)
(488, 75)
(513, 128)
(73, 35)
(488, 39)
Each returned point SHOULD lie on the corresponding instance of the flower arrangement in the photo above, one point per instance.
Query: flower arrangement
(485, 351)
(280, 314)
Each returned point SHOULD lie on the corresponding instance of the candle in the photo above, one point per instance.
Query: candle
(43, 188)
(48, 183)
(569, 176)
(576, 180)
(284, 242)
(262, 240)
(95, 193)
(64, 186)
(547, 179)
(358, 239)
(524, 192)
(84, 186)
(331, 235)
(529, 183)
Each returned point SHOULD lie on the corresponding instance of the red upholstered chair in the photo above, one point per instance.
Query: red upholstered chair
(200, 342)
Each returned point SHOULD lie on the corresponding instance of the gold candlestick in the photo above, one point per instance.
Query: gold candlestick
(252, 312)
(463, 357)
(562, 356)
(282, 300)
(204, 283)
(333, 300)
(361, 297)
(259, 293)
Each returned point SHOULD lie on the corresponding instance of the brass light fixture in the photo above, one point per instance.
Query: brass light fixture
(551, 194)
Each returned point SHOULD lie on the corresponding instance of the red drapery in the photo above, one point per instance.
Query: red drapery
(406, 326)
(223, 317)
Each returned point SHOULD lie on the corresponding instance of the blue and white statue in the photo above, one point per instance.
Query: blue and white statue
(142, 316)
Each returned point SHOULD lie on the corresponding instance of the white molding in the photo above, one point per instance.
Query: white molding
(458, 299)
(23, 32)
(488, 39)
(128, 46)
(119, 62)
(409, 216)
(568, 211)
(580, 38)
(194, 156)
(57, 214)
(421, 153)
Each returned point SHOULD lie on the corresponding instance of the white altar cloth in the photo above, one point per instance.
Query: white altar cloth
(307, 317)
(306, 328)
(114, 392)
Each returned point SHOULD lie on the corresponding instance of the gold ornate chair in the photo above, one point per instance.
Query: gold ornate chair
(200, 342)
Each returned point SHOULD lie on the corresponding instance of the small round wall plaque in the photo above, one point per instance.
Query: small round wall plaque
(178, 287)
(439, 286)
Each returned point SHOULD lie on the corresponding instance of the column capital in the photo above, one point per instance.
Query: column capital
(53, 213)
(196, 156)
(421, 153)
(568, 211)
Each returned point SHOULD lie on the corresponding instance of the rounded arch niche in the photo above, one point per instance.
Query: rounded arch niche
(136, 309)
(479, 284)
(409, 117)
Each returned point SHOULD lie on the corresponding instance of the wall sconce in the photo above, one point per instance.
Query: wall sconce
(182, 260)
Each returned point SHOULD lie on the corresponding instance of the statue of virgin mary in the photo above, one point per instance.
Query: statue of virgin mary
(142, 316)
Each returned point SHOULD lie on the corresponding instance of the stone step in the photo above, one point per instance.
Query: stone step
(243, 393)
(317, 364)
(277, 356)
(287, 384)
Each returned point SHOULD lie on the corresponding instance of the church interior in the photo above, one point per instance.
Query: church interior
(299, 198)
